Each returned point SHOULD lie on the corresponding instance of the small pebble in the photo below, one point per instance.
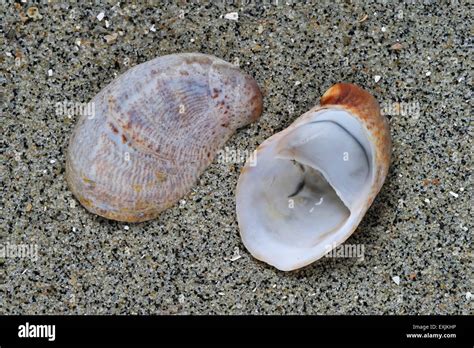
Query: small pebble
(455, 195)
(233, 16)
(427, 200)
(397, 46)
(52, 161)
(111, 38)
(383, 29)
(126, 228)
(468, 295)
(50, 72)
(100, 16)
(428, 73)
(33, 13)
(297, 83)
(152, 28)
(236, 255)
(396, 279)
(377, 78)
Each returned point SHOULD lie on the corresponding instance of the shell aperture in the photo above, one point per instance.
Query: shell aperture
(154, 130)
(315, 180)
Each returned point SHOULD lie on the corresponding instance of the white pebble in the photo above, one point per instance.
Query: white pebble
(181, 298)
(100, 16)
(468, 295)
(396, 279)
(455, 195)
(152, 28)
(377, 78)
(182, 202)
(126, 228)
(233, 16)
(428, 73)
(461, 189)
(235, 258)
(50, 72)
(107, 23)
(297, 83)
(427, 200)
(236, 255)
(383, 29)
(111, 37)
(52, 161)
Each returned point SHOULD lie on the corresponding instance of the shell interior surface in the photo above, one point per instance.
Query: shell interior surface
(153, 132)
(313, 182)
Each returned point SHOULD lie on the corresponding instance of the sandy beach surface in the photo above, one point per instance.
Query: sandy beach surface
(417, 237)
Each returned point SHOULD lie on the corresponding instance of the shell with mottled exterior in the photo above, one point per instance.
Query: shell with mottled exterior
(154, 130)
(314, 181)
